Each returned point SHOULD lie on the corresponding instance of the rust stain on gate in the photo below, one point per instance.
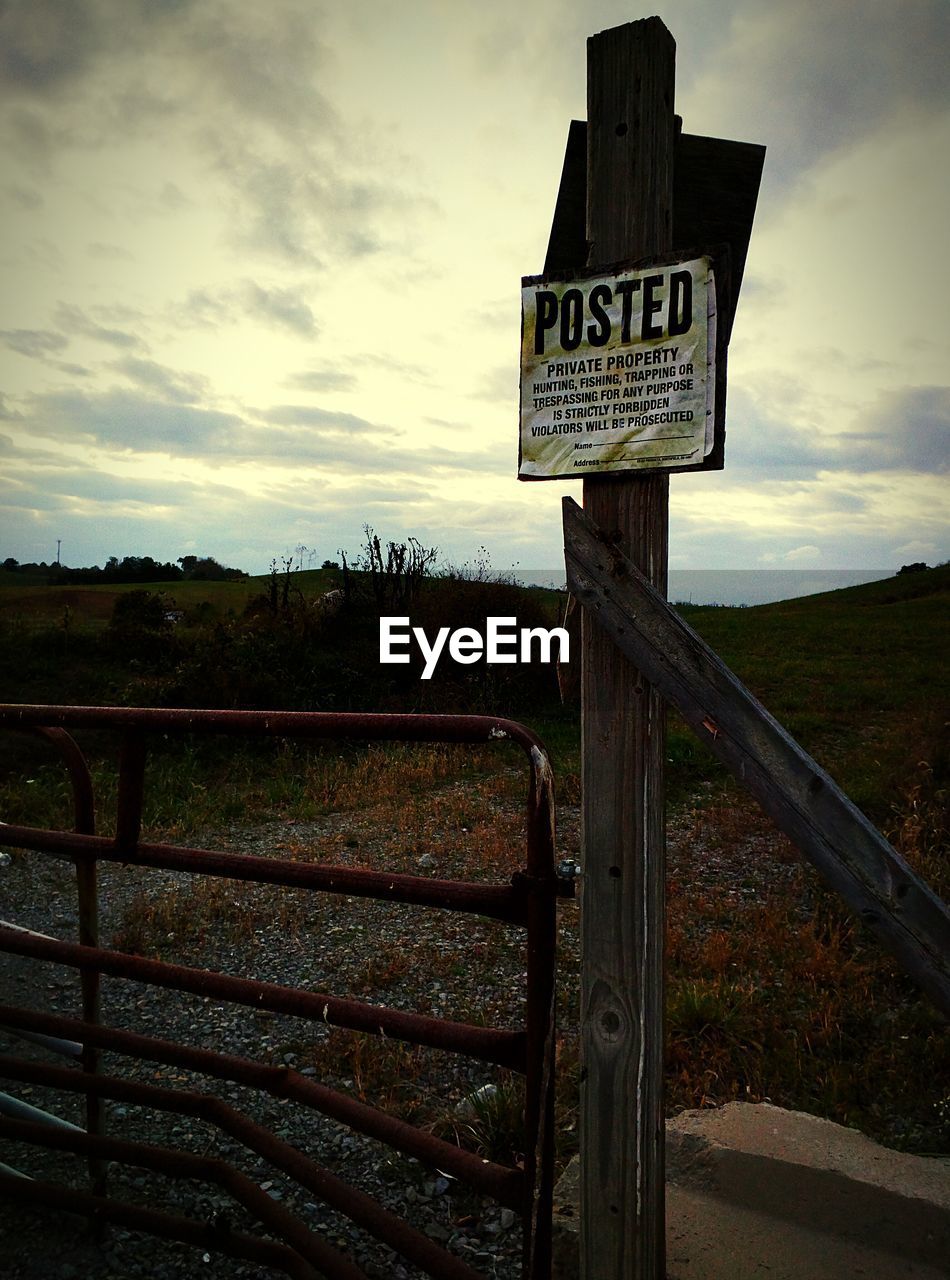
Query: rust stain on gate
(528, 900)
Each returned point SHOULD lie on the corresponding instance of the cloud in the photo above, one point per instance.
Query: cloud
(74, 320)
(329, 378)
(241, 88)
(906, 429)
(723, 519)
(265, 62)
(281, 307)
(27, 198)
(918, 549)
(302, 415)
(135, 421)
(108, 252)
(806, 88)
(34, 343)
(272, 305)
(92, 493)
(802, 555)
(297, 208)
(902, 429)
(500, 385)
(45, 45)
(180, 388)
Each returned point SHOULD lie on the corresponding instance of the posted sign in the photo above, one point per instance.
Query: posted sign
(618, 370)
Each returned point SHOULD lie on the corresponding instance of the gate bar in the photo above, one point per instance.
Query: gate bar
(504, 1184)
(530, 898)
(32, 1192)
(355, 1204)
(498, 902)
(505, 1048)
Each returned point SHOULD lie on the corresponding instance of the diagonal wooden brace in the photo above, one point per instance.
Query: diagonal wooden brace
(797, 794)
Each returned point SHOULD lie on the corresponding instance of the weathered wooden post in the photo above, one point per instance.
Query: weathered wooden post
(630, 136)
(623, 379)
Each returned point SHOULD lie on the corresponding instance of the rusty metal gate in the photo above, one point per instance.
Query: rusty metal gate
(528, 900)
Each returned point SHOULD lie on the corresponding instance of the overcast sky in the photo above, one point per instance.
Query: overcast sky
(261, 275)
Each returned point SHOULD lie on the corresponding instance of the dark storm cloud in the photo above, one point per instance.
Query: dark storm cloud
(805, 77)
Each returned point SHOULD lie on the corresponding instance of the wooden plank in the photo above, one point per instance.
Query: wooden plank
(567, 243)
(715, 191)
(622, 1218)
(800, 797)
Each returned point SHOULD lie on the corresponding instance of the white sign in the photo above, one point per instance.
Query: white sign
(618, 370)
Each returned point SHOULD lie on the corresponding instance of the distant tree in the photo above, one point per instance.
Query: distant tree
(128, 569)
(207, 569)
(917, 567)
(140, 619)
(10, 564)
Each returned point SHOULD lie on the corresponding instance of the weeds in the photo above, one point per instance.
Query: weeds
(176, 923)
(490, 1121)
(775, 992)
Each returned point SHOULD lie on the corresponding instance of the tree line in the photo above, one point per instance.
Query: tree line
(132, 569)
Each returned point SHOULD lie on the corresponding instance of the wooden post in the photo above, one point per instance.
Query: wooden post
(622, 1202)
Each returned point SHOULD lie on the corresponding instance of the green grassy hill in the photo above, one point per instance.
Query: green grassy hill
(37, 603)
(858, 676)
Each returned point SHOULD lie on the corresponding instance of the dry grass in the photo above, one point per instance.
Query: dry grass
(777, 993)
(774, 991)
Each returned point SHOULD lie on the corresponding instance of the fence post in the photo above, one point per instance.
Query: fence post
(84, 823)
(622, 1202)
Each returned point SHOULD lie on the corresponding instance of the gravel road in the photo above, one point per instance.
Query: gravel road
(404, 957)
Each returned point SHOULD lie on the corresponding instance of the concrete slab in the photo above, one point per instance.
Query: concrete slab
(755, 1191)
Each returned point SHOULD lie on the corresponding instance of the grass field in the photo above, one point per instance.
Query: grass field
(774, 991)
(92, 605)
